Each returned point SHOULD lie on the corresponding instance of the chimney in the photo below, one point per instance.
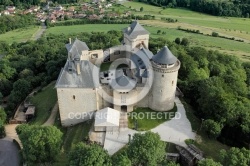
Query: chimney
(78, 69)
(69, 40)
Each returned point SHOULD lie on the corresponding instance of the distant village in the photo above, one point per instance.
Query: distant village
(95, 10)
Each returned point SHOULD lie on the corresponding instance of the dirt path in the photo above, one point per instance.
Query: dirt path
(10, 130)
(52, 117)
(39, 33)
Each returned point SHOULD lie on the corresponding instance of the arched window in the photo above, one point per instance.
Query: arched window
(74, 97)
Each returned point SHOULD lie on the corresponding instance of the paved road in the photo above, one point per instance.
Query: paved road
(9, 153)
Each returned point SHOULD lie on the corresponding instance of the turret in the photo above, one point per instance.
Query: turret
(136, 36)
(165, 66)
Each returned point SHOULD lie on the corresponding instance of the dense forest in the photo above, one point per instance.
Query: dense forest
(9, 23)
(235, 8)
(215, 84)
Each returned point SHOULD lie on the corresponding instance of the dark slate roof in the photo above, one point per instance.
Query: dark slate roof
(135, 30)
(123, 82)
(76, 48)
(139, 63)
(87, 79)
(164, 56)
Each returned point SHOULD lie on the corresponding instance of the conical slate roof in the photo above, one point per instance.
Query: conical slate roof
(135, 29)
(164, 56)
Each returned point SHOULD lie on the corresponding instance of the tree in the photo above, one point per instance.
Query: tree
(177, 40)
(235, 157)
(212, 128)
(121, 160)
(184, 42)
(141, 9)
(1, 98)
(146, 149)
(86, 155)
(208, 162)
(41, 144)
(2, 121)
(247, 15)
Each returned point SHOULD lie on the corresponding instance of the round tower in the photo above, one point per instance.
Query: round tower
(165, 66)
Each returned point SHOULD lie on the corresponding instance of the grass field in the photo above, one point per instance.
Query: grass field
(19, 35)
(141, 116)
(44, 102)
(196, 18)
(242, 50)
(209, 146)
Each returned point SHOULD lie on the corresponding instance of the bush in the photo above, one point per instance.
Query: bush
(185, 42)
(215, 34)
(177, 40)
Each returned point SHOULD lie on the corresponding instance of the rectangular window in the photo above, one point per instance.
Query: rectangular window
(93, 56)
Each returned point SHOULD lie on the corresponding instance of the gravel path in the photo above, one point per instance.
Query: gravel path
(52, 117)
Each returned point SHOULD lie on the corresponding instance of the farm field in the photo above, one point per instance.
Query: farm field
(237, 28)
(242, 50)
(19, 35)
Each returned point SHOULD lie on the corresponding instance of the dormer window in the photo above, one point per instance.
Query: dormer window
(77, 59)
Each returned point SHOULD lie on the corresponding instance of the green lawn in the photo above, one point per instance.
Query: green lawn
(209, 146)
(19, 35)
(105, 66)
(147, 119)
(85, 28)
(44, 102)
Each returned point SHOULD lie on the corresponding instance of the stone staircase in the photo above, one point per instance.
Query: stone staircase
(123, 121)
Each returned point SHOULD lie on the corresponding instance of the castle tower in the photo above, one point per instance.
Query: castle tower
(165, 66)
(136, 36)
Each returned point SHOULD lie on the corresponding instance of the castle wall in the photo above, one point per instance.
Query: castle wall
(124, 99)
(138, 40)
(102, 91)
(117, 52)
(75, 103)
(163, 88)
(143, 102)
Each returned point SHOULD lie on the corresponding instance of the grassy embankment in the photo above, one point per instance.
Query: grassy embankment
(44, 101)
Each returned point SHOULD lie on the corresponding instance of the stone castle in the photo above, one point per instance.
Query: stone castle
(136, 78)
